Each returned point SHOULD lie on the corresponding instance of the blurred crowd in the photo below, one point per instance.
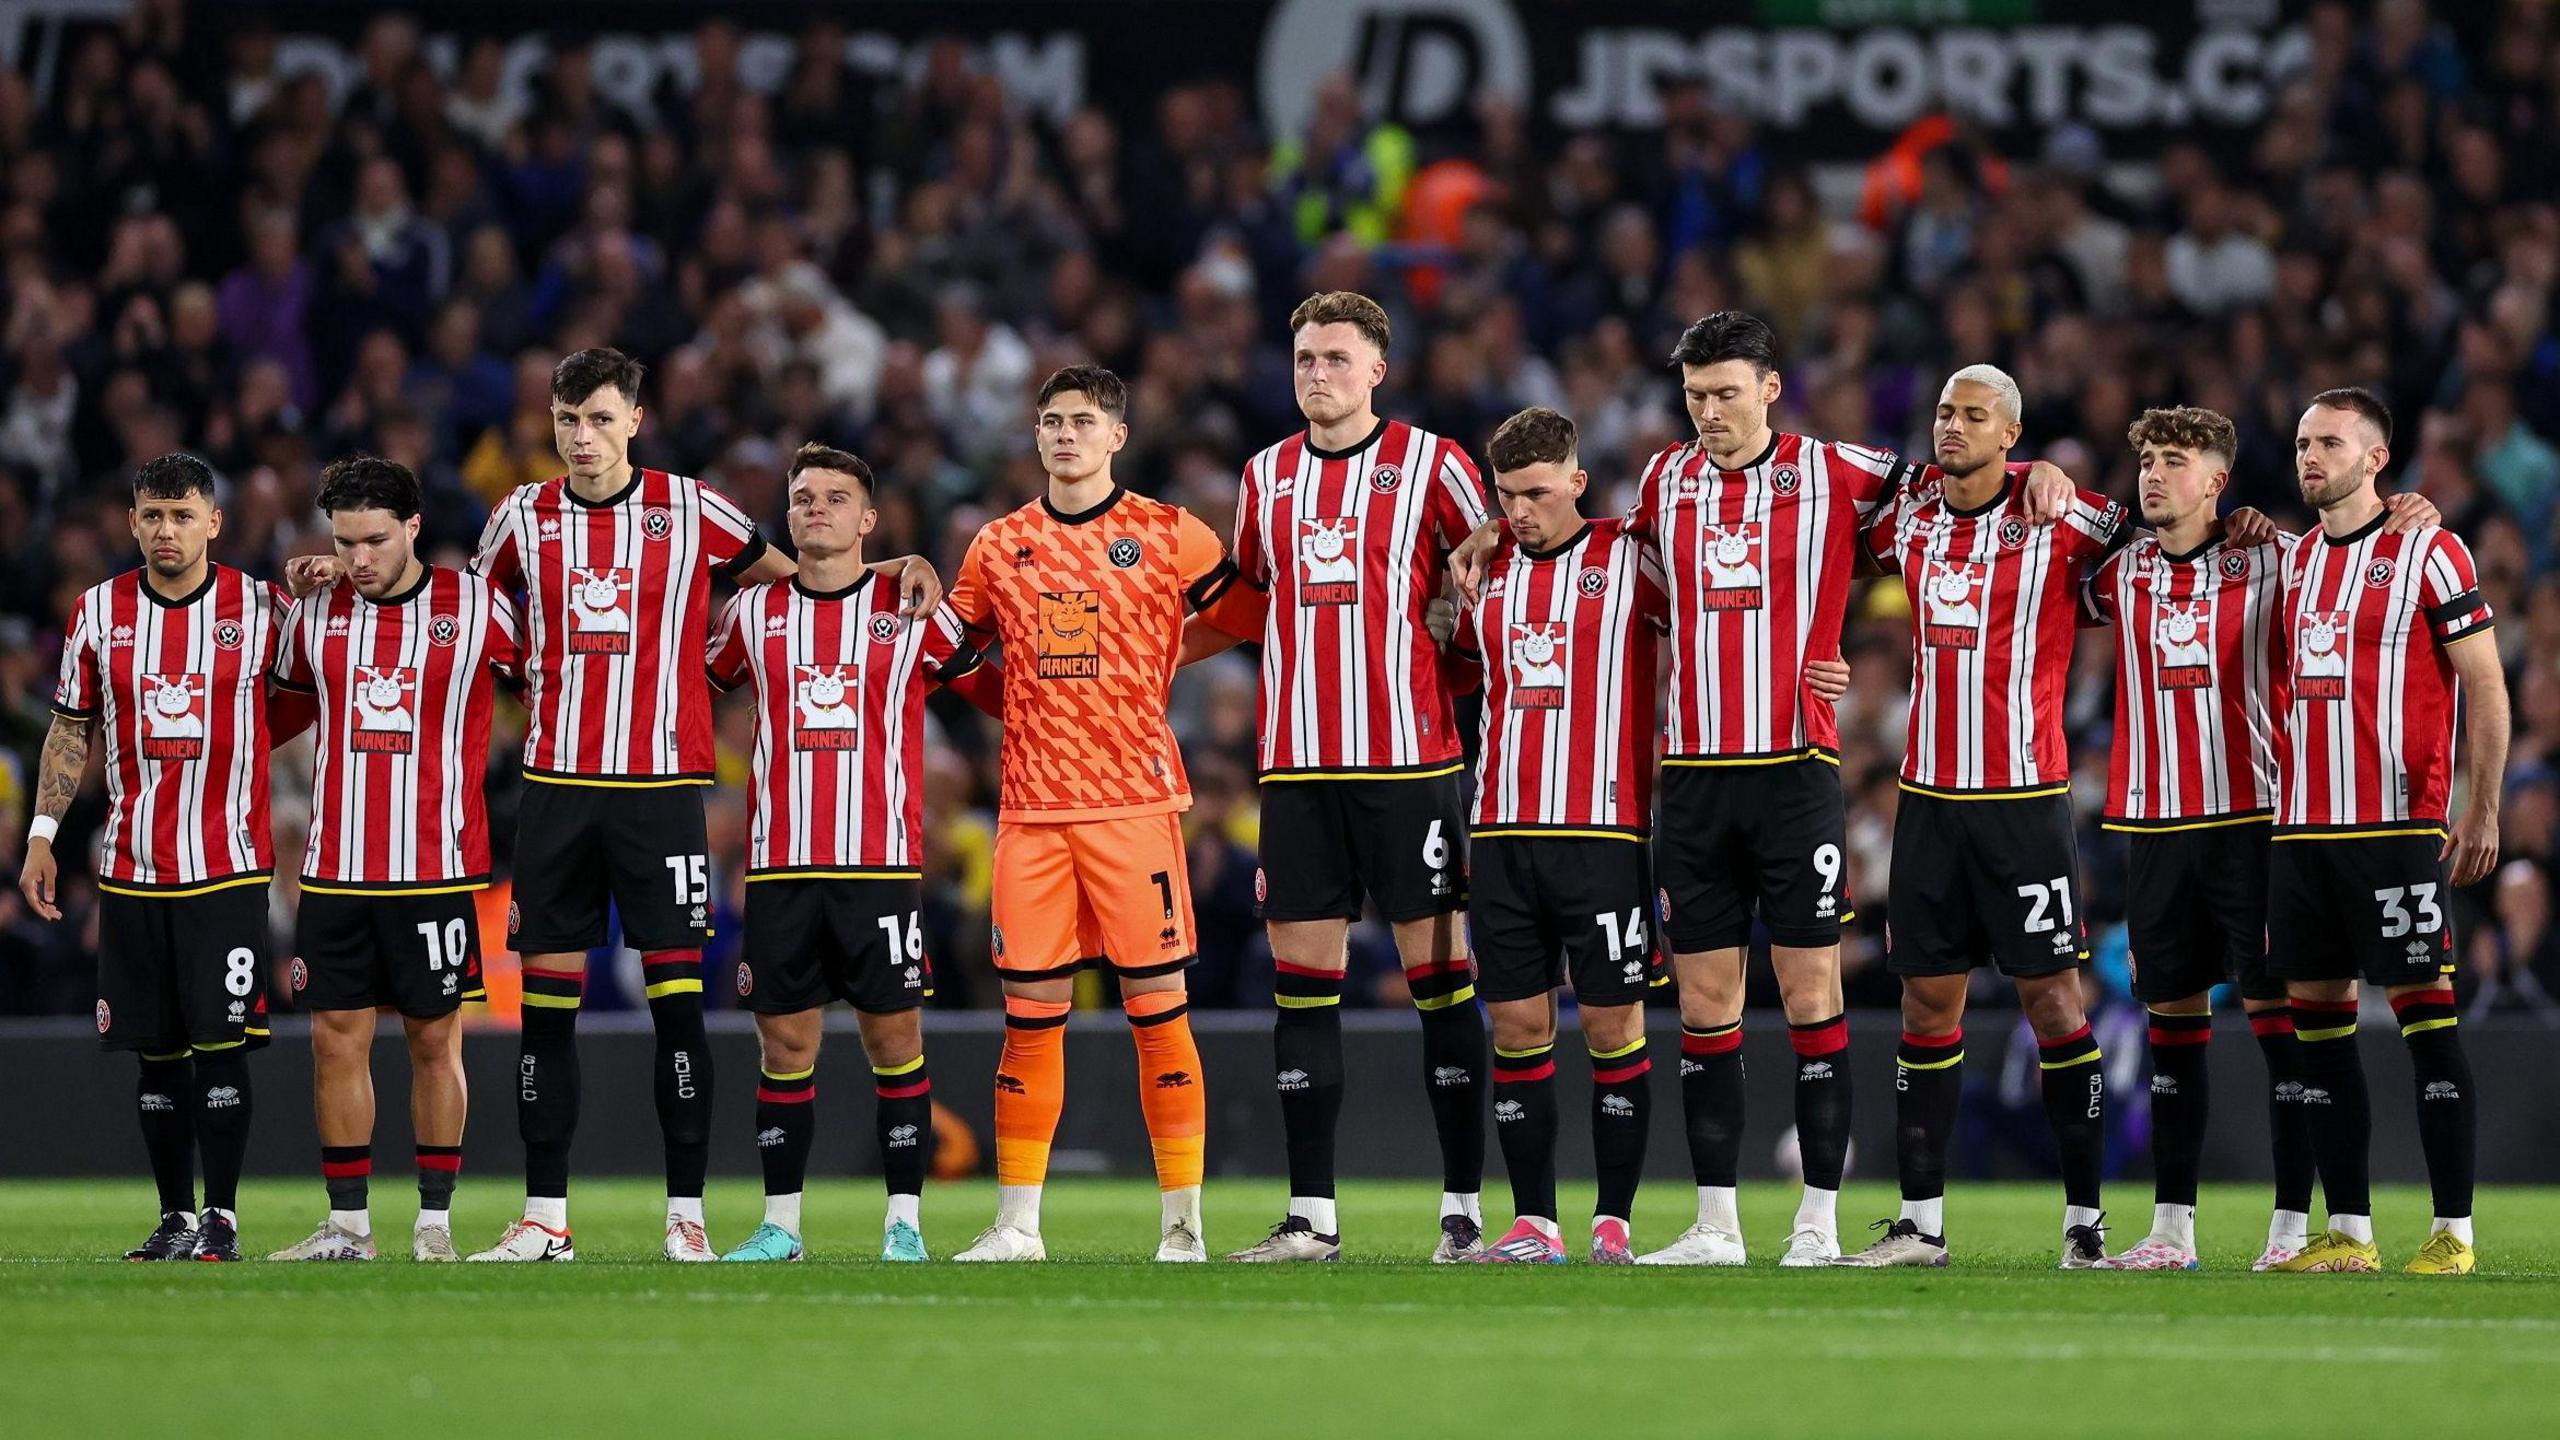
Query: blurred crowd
(207, 250)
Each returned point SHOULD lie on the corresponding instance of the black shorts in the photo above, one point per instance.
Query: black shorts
(2196, 912)
(1993, 879)
(1736, 841)
(417, 953)
(1541, 909)
(1327, 843)
(854, 940)
(580, 846)
(183, 971)
(2373, 907)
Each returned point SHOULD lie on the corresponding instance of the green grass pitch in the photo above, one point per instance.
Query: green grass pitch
(621, 1343)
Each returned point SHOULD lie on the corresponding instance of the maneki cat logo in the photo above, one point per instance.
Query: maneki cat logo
(2320, 655)
(1950, 596)
(385, 719)
(828, 719)
(1329, 561)
(173, 716)
(1733, 567)
(1537, 667)
(2186, 657)
(599, 611)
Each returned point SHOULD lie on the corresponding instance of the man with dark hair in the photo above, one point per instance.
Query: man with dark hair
(616, 564)
(398, 656)
(2191, 783)
(835, 840)
(1087, 589)
(171, 661)
(1347, 526)
(2386, 632)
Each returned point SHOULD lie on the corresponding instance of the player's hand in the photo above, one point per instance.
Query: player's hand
(919, 589)
(1827, 679)
(2473, 846)
(2248, 526)
(36, 879)
(2407, 510)
(1441, 619)
(306, 573)
(2049, 492)
(1466, 563)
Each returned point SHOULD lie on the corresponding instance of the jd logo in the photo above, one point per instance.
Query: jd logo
(1413, 62)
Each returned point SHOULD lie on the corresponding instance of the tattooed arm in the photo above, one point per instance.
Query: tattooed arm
(66, 755)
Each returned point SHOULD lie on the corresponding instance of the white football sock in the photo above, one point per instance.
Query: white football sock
(2461, 1227)
(904, 1207)
(2175, 1224)
(2358, 1228)
(783, 1210)
(687, 1207)
(2080, 1215)
(1019, 1207)
(2290, 1229)
(1546, 1227)
(1819, 1210)
(1929, 1215)
(1183, 1203)
(1716, 1207)
(550, 1211)
(1317, 1211)
(428, 1219)
(1470, 1205)
(354, 1222)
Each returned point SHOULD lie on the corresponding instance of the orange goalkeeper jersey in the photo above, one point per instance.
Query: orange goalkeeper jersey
(1089, 610)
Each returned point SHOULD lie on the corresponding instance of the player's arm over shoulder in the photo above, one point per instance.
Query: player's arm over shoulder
(1213, 589)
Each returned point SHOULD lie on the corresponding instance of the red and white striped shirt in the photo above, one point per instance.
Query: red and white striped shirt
(180, 689)
(617, 599)
(1993, 603)
(1352, 546)
(1759, 561)
(2367, 736)
(399, 777)
(840, 679)
(2196, 674)
(1567, 640)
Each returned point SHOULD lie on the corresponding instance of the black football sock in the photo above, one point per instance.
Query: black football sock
(1455, 1056)
(347, 1171)
(674, 980)
(1928, 1079)
(164, 1101)
(786, 1123)
(2075, 1105)
(439, 1166)
(222, 1123)
(1711, 1102)
(2179, 1101)
(2288, 1120)
(2448, 1108)
(1306, 1048)
(547, 1079)
(1621, 1116)
(904, 1124)
(1822, 1099)
(1524, 1118)
(2339, 1107)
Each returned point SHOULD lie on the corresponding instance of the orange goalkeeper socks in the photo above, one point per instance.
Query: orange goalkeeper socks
(1031, 1088)
(1170, 1086)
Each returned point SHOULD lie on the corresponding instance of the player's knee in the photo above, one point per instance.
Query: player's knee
(888, 1041)
(1522, 1024)
(1311, 944)
(1932, 1009)
(2053, 1008)
(340, 1039)
(432, 1048)
(1608, 1028)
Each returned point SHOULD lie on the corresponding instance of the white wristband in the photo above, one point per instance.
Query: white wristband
(43, 828)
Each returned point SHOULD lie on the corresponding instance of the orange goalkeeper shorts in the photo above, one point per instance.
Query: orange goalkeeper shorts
(1090, 891)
